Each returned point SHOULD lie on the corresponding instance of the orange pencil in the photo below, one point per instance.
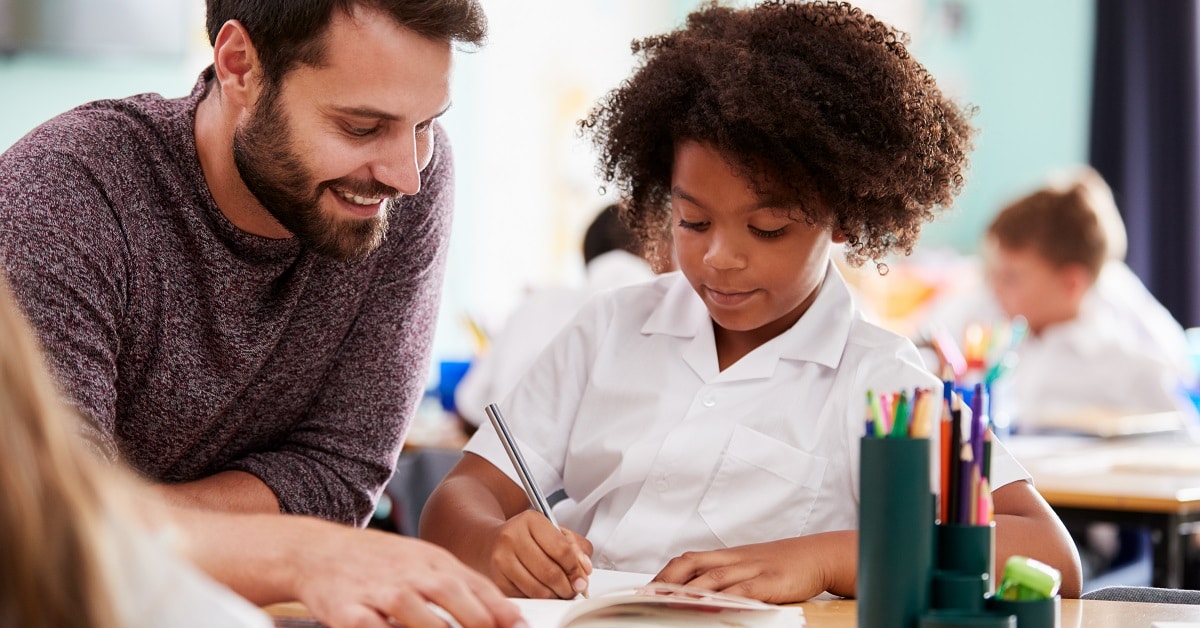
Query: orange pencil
(944, 452)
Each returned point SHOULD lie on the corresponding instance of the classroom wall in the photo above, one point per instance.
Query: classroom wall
(1026, 65)
(526, 182)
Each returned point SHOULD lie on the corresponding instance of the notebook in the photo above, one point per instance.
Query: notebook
(622, 599)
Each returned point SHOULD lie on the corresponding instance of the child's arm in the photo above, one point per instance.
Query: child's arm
(797, 569)
(484, 519)
(791, 570)
(1026, 526)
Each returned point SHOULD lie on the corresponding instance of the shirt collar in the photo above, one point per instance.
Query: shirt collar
(819, 336)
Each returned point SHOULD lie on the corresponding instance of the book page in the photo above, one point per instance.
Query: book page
(625, 606)
(604, 580)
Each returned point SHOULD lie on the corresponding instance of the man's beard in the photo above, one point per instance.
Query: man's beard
(269, 166)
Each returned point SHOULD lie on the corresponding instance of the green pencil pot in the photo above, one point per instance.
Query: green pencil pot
(967, 549)
(1029, 613)
(895, 532)
(962, 619)
(958, 590)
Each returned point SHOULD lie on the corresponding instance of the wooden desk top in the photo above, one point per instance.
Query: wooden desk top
(843, 614)
(1075, 614)
(1157, 475)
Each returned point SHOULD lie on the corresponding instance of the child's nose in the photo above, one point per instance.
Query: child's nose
(724, 253)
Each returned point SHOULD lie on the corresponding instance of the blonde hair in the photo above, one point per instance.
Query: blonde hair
(53, 557)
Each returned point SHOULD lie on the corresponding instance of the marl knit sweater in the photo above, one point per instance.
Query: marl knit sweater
(193, 347)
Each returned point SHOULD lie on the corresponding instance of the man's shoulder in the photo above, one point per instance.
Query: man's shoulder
(101, 130)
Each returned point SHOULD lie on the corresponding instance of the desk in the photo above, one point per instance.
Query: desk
(1151, 482)
(843, 614)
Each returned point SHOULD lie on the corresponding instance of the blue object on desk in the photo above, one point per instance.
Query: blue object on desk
(450, 373)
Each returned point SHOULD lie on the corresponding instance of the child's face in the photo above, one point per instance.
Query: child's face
(1027, 284)
(756, 269)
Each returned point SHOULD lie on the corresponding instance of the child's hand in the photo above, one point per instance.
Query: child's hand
(531, 558)
(791, 570)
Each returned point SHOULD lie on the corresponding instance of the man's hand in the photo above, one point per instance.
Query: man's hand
(345, 576)
(352, 577)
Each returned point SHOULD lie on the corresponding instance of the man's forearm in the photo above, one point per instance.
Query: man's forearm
(228, 491)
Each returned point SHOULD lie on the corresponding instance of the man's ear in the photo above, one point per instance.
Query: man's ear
(235, 61)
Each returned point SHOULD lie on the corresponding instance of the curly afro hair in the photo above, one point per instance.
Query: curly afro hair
(817, 97)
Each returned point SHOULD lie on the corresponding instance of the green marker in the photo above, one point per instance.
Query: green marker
(1028, 579)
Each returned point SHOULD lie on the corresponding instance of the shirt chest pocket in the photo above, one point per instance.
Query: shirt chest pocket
(763, 490)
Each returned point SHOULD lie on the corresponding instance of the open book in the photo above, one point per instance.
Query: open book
(655, 604)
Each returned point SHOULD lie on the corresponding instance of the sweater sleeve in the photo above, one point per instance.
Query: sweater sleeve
(63, 252)
(336, 462)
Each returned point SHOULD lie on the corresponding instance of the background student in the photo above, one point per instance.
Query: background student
(1098, 340)
(720, 409)
(612, 257)
(81, 545)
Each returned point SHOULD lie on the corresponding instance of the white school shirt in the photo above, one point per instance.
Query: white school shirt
(660, 452)
(1089, 362)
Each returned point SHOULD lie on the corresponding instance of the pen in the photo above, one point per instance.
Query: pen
(510, 446)
(514, 454)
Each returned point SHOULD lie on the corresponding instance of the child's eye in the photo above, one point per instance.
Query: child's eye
(762, 233)
(694, 226)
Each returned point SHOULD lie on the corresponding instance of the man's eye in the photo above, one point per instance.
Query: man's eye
(361, 131)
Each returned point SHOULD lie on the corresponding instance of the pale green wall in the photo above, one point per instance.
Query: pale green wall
(38, 86)
(1027, 65)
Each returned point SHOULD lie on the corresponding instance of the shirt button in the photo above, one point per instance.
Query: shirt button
(708, 402)
(662, 484)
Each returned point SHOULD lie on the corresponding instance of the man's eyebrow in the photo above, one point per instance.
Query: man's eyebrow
(371, 112)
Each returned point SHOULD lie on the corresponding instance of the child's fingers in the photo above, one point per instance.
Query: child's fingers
(585, 547)
(685, 567)
(569, 559)
(528, 553)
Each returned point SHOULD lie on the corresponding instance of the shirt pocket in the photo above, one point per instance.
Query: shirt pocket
(763, 490)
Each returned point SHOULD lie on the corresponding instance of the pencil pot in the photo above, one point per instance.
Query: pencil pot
(958, 590)
(967, 549)
(895, 532)
(1029, 613)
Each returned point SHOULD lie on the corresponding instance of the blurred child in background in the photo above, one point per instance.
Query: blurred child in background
(1098, 342)
(612, 258)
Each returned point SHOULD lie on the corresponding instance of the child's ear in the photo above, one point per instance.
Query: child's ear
(1076, 281)
(839, 236)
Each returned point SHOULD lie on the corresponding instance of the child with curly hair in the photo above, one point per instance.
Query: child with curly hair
(704, 425)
